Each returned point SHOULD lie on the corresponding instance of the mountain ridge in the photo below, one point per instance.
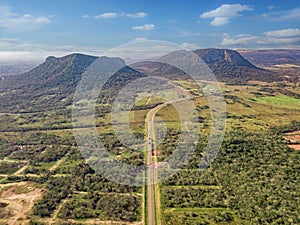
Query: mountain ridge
(227, 66)
(53, 83)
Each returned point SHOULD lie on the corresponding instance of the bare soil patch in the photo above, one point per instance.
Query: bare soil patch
(17, 201)
(294, 139)
(295, 147)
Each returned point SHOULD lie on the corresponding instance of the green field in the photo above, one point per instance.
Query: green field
(279, 101)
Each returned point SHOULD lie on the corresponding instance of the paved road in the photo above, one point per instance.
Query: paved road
(151, 197)
(151, 204)
(150, 182)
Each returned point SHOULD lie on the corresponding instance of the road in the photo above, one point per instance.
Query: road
(151, 165)
(151, 202)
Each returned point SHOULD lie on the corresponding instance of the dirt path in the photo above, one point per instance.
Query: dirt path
(110, 193)
(52, 220)
(148, 101)
(21, 170)
(57, 163)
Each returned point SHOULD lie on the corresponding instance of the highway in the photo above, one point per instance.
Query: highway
(151, 165)
(151, 202)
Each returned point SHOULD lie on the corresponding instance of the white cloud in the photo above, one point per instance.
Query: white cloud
(269, 38)
(236, 41)
(271, 7)
(285, 15)
(85, 16)
(136, 15)
(180, 32)
(189, 46)
(15, 22)
(283, 33)
(225, 13)
(42, 20)
(111, 15)
(5, 11)
(18, 50)
(14, 44)
(108, 15)
(140, 39)
(145, 27)
(220, 21)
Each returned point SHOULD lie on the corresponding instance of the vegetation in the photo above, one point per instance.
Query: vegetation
(97, 205)
(253, 180)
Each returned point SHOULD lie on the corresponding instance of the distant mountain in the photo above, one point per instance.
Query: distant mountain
(272, 57)
(227, 65)
(53, 83)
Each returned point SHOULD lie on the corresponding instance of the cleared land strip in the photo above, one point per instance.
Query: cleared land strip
(109, 193)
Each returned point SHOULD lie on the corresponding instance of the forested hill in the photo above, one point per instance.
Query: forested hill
(53, 83)
(227, 65)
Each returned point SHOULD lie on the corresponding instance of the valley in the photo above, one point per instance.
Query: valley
(44, 179)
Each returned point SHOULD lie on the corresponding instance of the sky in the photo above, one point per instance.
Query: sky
(34, 29)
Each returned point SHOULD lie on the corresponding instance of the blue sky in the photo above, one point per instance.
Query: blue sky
(36, 28)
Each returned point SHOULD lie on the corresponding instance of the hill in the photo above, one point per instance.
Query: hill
(227, 65)
(53, 83)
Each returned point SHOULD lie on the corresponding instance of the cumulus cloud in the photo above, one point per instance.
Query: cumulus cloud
(225, 13)
(15, 22)
(145, 27)
(277, 37)
(108, 15)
